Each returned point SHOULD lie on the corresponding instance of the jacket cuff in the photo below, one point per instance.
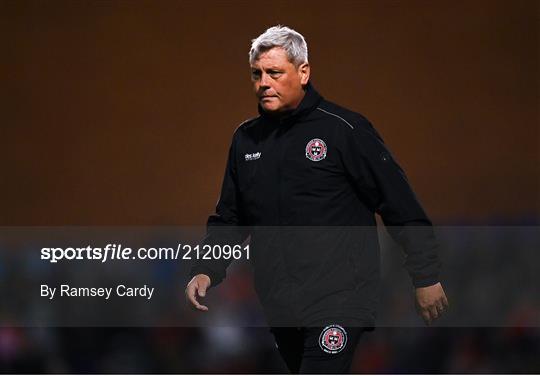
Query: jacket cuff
(426, 281)
(199, 269)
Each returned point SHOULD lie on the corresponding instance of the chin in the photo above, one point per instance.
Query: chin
(273, 109)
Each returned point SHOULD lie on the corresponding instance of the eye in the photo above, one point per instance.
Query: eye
(255, 74)
(274, 74)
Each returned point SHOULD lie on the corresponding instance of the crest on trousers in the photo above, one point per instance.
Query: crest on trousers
(333, 339)
(316, 150)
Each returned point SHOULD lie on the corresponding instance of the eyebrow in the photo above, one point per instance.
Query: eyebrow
(273, 67)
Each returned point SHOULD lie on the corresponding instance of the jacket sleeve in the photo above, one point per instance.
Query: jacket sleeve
(382, 184)
(223, 226)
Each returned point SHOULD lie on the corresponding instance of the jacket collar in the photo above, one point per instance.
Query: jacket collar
(309, 103)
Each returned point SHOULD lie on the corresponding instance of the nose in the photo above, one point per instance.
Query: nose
(264, 82)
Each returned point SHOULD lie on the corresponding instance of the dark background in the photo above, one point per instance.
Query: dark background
(121, 113)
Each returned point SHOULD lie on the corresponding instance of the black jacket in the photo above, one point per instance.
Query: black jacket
(322, 165)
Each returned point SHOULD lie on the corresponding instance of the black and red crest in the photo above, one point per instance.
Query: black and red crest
(333, 339)
(316, 150)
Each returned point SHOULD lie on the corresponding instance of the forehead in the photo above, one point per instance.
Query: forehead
(276, 56)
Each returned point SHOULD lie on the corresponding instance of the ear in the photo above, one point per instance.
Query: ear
(304, 71)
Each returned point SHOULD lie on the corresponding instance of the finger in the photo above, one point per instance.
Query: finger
(190, 292)
(445, 301)
(433, 312)
(440, 310)
(198, 305)
(201, 307)
(426, 316)
(440, 306)
(423, 313)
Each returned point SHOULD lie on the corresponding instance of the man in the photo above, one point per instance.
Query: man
(308, 162)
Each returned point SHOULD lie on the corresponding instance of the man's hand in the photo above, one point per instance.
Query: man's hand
(431, 302)
(198, 285)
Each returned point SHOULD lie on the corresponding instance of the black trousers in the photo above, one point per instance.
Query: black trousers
(327, 349)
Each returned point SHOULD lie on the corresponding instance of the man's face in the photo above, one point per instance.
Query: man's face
(277, 83)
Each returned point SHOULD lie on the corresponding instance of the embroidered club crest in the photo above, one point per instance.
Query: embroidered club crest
(316, 150)
(333, 339)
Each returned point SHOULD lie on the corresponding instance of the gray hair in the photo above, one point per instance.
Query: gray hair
(280, 36)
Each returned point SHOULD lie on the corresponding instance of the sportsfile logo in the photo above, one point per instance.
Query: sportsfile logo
(253, 156)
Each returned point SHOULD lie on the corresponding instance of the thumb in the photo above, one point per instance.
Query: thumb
(202, 290)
